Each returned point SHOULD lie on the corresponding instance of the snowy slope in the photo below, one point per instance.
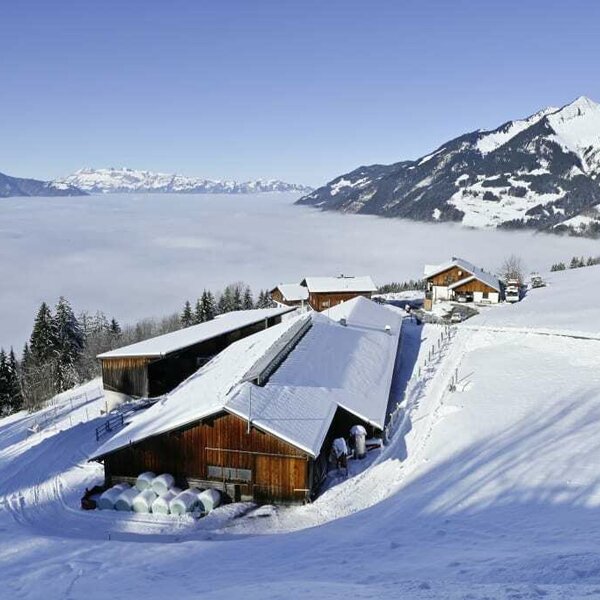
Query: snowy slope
(106, 181)
(567, 305)
(489, 491)
(538, 173)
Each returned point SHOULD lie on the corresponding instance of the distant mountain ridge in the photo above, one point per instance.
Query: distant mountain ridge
(124, 180)
(542, 172)
(19, 186)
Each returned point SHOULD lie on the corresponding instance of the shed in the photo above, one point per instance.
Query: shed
(259, 419)
(156, 366)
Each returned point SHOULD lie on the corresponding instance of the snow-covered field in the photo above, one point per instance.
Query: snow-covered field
(488, 491)
(135, 255)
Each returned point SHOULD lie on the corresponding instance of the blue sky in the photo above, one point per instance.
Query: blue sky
(302, 91)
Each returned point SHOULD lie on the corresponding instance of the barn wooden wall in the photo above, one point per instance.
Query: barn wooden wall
(319, 301)
(126, 375)
(280, 472)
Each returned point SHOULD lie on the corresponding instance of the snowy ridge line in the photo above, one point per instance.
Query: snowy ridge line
(547, 332)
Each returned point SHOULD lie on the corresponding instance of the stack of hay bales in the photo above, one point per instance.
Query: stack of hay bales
(157, 494)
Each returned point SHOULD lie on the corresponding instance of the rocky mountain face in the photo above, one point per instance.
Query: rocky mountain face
(541, 172)
(18, 186)
(123, 180)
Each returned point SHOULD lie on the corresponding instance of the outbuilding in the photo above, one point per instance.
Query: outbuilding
(258, 421)
(156, 366)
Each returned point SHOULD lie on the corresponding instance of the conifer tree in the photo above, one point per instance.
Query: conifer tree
(115, 328)
(69, 345)
(248, 301)
(210, 307)
(43, 337)
(15, 383)
(199, 310)
(187, 318)
(5, 397)
(237, 297)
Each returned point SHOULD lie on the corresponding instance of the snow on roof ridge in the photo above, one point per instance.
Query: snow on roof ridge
(176, 340)
(341, 283)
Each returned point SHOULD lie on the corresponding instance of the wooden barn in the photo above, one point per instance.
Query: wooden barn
(259, 420)
(461, 281)
(156, 366)
(289, 294)
(325, 292)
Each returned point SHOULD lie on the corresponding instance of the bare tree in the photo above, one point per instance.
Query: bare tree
(512, 268)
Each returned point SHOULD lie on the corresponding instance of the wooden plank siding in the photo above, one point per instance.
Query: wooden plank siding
(279, 472)
(474, 286)
(151, 376)
(320, 301)
(448, 277)
(126, 375)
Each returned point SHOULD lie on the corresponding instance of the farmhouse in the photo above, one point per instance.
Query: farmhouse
(289, 294)
(325, 292)
(156, 366)
(460, 280)
(258, 421)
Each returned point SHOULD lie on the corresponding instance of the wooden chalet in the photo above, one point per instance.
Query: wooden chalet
(156, 366)
(258, 421)
(325, 292)
(289, 294)
(461, 281)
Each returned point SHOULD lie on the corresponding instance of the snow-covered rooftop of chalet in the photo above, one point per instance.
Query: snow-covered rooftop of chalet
(293, 292)
(343, 283)
(177, 340)
(333, 365)
(461, 263)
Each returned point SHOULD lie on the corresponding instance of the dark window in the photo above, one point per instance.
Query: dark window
(229, 474)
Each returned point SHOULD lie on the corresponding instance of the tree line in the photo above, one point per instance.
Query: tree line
(62, 348)
(576, 263)
(236, 296)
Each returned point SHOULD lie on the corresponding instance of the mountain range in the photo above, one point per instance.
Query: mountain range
(123, 180)
(541, 172)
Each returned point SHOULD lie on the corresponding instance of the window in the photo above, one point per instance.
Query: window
(486, 295)
(326, 303)
(229, 473)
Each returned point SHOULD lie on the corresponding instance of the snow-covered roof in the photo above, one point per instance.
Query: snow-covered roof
(177, 340)
(292, 292)
(331, 366)
(461, 263)
(343, 283)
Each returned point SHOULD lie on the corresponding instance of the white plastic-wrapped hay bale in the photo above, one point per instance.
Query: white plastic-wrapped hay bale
(209, 500)
(161, 506)
(109, 497)
(163, 483)
(142, 503)
(185, 502)
(144, 480)
(125, 500)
